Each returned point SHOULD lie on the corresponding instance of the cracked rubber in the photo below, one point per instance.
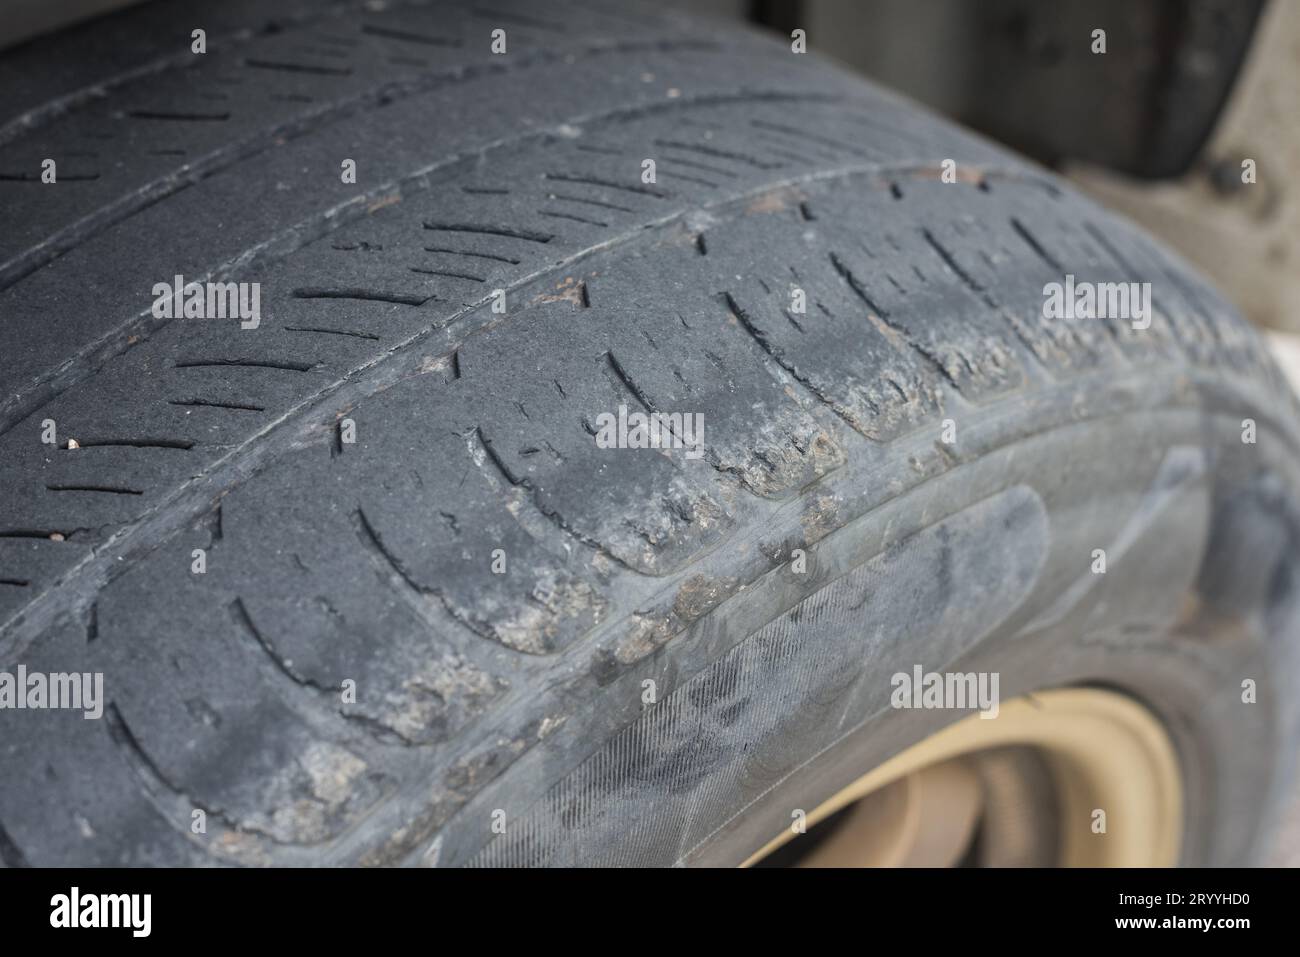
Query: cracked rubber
(829, 536)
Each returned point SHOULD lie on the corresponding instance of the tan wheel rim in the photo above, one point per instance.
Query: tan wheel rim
(1116, 776)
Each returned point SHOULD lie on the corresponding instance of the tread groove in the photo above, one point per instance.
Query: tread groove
(485, 230)
(104, 489)
(364, 295)
(215, 404)
(281, 364)
(10, 854)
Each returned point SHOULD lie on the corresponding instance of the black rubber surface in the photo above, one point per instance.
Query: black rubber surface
(372, 561)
